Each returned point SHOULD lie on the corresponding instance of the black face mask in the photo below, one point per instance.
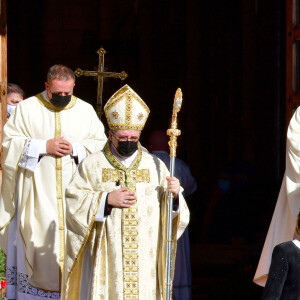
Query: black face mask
(127, 148)
(60, 101)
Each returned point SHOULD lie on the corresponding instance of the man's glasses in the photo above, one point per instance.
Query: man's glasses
(61, 93)
(126, 138)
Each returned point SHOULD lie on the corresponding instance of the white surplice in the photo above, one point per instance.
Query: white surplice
(283, 224)
(32, 203)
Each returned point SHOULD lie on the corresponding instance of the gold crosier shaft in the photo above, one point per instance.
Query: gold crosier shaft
(100, 74)
(173, 132)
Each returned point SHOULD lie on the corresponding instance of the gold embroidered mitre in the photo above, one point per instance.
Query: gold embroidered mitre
(125, 110)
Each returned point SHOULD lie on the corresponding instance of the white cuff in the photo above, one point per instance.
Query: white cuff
(79, 151)
(100, 213)
(33, 149)
(37, 148)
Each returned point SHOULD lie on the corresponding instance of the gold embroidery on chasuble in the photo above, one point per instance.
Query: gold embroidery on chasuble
(128, 177)
(58, 164)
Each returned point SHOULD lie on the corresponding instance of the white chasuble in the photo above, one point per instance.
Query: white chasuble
(32, 203)
(283, 224)
(124, 256)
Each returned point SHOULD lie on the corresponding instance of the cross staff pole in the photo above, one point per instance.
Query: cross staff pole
(173, 132)
(100, 74)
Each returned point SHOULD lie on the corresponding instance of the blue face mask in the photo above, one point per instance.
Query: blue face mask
(10, 108)
(224, 185)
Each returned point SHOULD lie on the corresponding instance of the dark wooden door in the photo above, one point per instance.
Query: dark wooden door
(292, 57)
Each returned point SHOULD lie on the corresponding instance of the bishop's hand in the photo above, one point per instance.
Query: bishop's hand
(59, 147)
(121, 198)
(173, 186)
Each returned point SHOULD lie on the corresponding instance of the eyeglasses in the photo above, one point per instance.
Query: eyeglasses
(61, 93)
(126, 138)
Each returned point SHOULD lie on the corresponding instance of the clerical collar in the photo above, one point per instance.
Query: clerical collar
(44, 93)
(297, 243)
(114, 161)
(126, 161)
(43, 99)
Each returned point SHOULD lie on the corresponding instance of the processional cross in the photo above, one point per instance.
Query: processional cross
(100, 74)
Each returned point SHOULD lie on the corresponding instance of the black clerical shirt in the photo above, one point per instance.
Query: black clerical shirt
(284, 276)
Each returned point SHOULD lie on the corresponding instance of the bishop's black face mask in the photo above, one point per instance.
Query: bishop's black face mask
(60, 101)
(127, 148)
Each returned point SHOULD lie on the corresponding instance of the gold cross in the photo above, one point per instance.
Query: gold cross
(100, 74)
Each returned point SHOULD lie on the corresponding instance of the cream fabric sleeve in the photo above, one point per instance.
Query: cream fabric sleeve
(31, 155)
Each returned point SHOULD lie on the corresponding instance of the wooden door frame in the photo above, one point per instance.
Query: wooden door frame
(3, 70)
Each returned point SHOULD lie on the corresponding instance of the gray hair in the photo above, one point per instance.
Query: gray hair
(60, 72)
(115, 130)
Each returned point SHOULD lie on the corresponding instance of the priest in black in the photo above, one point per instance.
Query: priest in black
(284, 277)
